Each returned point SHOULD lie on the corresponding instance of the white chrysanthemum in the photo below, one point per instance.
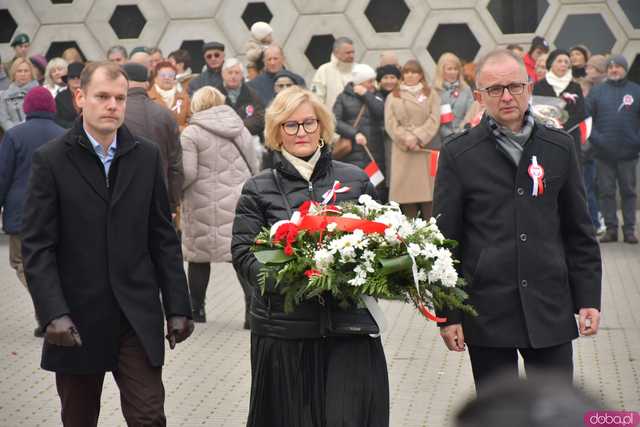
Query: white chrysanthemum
(443, 270)
(422, 275)
(391, 236)
(331, 227)
(429, 250)
(323, 259)
(414, 249)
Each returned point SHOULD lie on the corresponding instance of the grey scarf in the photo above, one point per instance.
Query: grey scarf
(513, 142)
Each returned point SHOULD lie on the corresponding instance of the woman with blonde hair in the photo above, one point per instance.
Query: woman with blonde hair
(218, 157)
(412, 120)
(455, 95)
(54, 74)
(23, 79)
(317, 365)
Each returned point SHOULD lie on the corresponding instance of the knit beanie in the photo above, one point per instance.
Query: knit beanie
(583, 50)
(361, 73)
(260, 30)
(619, 60)
(386, 70)
(39, 100)
(599, 62)
(553, 55)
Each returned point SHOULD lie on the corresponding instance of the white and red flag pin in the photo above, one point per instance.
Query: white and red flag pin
(446, 114)
(374, 173)
(331, 195)
(536, 172)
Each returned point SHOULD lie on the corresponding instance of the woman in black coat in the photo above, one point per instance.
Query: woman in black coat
(361, 91)
(316, 366)
(559, 83)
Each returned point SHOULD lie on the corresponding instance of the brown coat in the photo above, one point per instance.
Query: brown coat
(411, 181)
(181, 107)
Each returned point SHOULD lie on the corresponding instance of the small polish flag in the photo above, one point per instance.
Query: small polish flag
(433, 162)
(446, 115)
(585, 129)
(374, 173)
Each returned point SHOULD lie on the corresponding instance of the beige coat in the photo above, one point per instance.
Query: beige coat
(411, 181)
(214, 172)
(330, 80)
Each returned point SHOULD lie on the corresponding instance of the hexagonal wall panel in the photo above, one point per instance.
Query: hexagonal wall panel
(23, 16)
(127, 21)
(590, 24)
(455, 38)
(102, 12)
(632, 53)
(195, 32)
(59, 12)
(256, 12)
(448, 4)
(378, 10)
(230, 19)
(517, 21)
(56, 49)
(8, 26)
(310, 25)
(386, 17)
(628, 15)
(325, 6)
(372, 57)
(435, 20)
(77, 33)
(319, 49)
(195, 9)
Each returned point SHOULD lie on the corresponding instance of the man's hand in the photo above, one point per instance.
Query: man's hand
(63, 332)
(453, 337)
(179, 328)
(359, 89)
(361, 139)
(589, 321)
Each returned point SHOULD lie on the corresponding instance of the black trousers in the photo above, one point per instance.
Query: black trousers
(198, 277)
(620, 174)
(140, 384)
(487, 362)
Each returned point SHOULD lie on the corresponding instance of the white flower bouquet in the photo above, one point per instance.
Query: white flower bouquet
(360, 250)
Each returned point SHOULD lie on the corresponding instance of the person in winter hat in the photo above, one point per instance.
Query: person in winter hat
(261, 38)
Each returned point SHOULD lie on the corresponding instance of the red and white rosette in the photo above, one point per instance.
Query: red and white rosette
(536, 172)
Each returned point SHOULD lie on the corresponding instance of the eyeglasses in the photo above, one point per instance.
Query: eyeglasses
(213, 55)
(498, 90)
(283, 85)
(167, 75)
(291, 128)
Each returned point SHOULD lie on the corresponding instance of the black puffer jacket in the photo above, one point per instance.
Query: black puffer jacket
(261, 205)
(346, 109)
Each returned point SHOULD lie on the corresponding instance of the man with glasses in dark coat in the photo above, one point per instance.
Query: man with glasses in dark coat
(213, 53)
(510, 191)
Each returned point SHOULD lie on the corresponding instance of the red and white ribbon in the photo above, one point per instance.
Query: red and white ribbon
(331, 195)
(536, 172)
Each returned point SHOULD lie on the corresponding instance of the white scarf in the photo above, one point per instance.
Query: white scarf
(559, 84)
(413, 90)
(167, 95)
(304, 168)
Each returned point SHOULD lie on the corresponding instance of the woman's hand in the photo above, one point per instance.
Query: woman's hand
(361, 139)
(411, 141)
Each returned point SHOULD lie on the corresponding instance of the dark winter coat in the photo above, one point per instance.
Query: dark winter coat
(96, 248)
(146, 119)
(16, 150)
(209, 77)
(616, 124)
(249, 108)
(575, 107)
(66, 113)
(530, 262)
(261, 205)
(263, 84)
(346, 109)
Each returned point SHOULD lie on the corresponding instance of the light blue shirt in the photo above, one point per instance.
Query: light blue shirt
(106, 159)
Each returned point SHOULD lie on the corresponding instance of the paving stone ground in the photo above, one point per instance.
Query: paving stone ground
(207, 378)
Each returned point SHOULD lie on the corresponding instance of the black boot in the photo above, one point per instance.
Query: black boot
(198, 280)
(610, 236)
(630, 238)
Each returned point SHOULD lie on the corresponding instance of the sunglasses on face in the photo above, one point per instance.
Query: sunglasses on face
(213, 55)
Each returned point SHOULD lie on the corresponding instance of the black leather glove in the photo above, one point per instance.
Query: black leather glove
(63, 332)
(179, 328)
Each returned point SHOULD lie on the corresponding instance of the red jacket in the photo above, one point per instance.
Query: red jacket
(530, 64)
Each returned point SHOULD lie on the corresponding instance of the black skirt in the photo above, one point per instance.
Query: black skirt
(324, 382)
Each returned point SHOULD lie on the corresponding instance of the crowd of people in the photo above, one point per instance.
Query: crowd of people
(206, 135)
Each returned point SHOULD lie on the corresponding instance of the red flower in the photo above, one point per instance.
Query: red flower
(286, 233)
(305, 207)
(311, 272)
(288, 249)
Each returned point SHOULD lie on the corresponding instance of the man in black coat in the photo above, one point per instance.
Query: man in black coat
(66, 109)
(213, 53)
(242, 98)
(146, 119)
(102, 260)
(511, 193)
